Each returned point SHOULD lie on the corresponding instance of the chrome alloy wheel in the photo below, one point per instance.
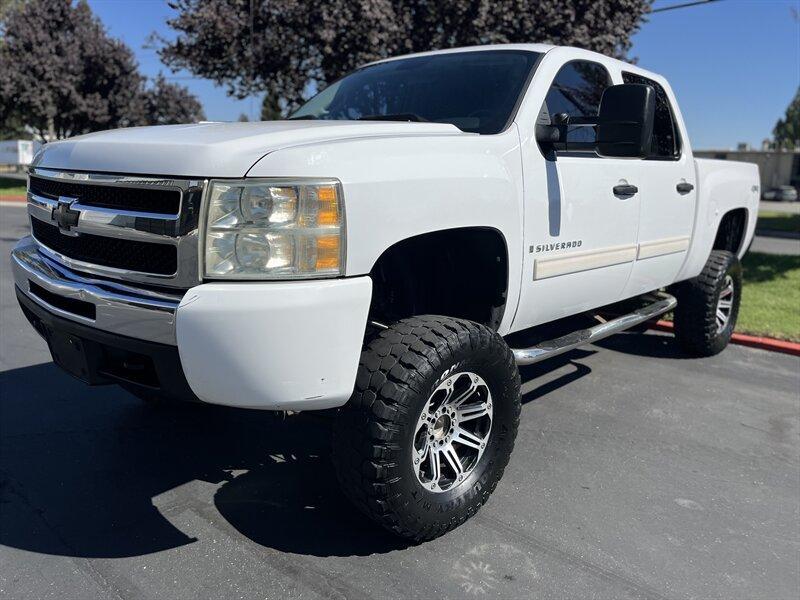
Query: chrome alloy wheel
(725, 304)
(452, 431)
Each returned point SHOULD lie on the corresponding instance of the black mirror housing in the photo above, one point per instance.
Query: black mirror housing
(625, 122)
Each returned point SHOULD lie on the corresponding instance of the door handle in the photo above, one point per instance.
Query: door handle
(625, 190)
(684, 188)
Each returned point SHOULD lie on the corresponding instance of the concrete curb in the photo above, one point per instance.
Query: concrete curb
(15, 199)
(752, 341)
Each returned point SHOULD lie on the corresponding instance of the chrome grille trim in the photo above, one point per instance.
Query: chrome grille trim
(104, 221)
(179, 230)
(111, 180)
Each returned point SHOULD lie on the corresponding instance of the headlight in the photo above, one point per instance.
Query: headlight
(274, 229)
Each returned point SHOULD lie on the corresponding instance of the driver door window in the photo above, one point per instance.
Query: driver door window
(576, 92)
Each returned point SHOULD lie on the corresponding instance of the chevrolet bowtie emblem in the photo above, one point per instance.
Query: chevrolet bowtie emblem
(64, 215)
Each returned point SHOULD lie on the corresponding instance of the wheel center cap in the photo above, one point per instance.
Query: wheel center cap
(441, 427)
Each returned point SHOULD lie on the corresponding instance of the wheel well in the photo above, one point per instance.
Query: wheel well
(456, 272)
(731, 231)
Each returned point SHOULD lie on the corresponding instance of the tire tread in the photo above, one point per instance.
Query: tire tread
(695, 322)
(393, 370)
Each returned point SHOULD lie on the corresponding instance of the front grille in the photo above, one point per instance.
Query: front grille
(131, 255)
(142, 230)
(137, 199)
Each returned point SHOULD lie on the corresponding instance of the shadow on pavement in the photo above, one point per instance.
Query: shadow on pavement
(539, 370)
(92, 472)
(80, 469)
(638, 344)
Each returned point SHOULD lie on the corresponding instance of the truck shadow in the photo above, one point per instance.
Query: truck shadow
(538, 380)
(645, 345)
(92, 472)
(95, 473)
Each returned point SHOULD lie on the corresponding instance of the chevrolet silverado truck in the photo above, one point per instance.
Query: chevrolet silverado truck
(393, 252)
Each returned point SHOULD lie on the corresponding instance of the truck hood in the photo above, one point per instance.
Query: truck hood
(210, 149)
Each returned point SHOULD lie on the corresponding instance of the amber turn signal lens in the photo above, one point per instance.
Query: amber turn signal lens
(327, 252)
(328, 206)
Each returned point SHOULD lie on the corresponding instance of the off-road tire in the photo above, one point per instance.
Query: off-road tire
(696, 328)
(374, 432)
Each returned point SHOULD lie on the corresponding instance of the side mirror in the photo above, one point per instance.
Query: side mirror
(625, 122)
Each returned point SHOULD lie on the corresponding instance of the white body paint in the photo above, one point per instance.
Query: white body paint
(296, 344)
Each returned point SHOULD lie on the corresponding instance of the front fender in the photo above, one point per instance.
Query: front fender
(404, 186)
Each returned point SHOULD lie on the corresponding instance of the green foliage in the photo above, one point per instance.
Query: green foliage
(166, 103)
(64, 75)
(287, 48)
(271, 109)
(8, 5)
(11, 187)
(787, 130)
(771, 296)
(778, 221)
(12, 128)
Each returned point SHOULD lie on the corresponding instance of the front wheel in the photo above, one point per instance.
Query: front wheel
(708, 305)
(430, 427)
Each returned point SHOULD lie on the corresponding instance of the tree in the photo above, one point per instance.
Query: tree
(8, 4)
(64, 75)
(288, 48)
(270, 109)
(167, 103)
(787, 130)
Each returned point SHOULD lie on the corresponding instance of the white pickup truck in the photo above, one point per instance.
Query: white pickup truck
(379, 252)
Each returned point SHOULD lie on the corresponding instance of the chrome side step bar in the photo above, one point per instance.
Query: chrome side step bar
(661, 303)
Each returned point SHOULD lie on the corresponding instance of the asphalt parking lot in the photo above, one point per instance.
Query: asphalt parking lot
(637, 474)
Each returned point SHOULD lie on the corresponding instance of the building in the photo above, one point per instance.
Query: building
(777, 167)
(18, 153)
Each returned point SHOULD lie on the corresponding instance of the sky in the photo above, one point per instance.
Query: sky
(734, 64)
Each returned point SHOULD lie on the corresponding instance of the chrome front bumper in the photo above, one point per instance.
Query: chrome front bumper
(119, 309)
(265, 345)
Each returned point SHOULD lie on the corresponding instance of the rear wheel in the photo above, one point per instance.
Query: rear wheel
(708, 305)
(426, 436)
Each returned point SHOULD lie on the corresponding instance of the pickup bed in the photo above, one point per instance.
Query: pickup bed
(378, 253)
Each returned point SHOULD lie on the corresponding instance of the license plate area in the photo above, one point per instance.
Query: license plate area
(70, 353)
(97, 364)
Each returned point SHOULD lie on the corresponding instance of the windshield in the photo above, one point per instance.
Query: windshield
(475, 91)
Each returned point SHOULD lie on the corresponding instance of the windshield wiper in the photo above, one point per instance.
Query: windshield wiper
(302, 118)
(395, 117)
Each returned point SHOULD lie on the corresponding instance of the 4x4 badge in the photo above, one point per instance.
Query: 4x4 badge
(64, 215)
